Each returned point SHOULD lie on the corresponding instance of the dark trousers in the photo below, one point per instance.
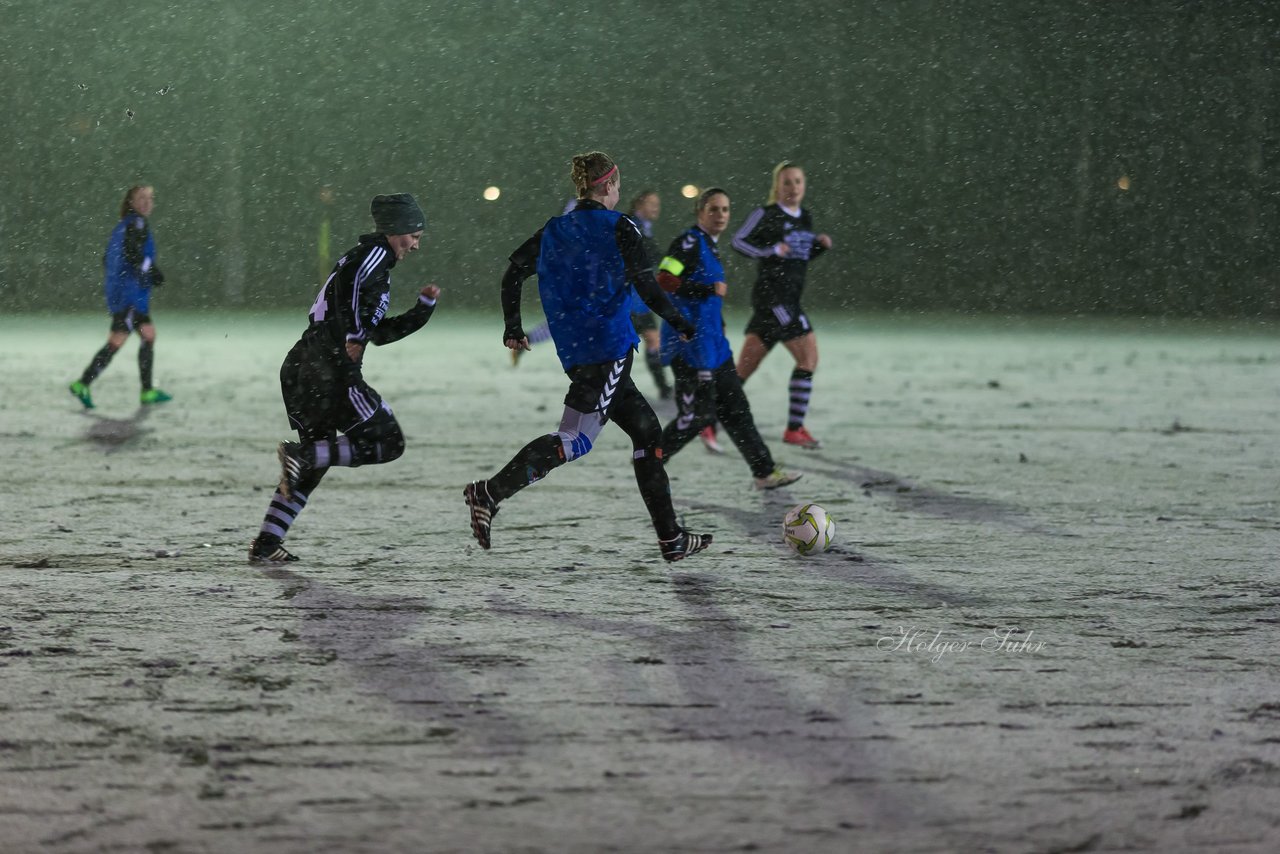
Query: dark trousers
(707, 396)
(598, 394)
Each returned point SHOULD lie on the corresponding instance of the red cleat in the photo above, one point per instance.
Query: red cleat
(800, 436)
(710, 440)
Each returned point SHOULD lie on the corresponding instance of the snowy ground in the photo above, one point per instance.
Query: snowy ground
(1049, 623)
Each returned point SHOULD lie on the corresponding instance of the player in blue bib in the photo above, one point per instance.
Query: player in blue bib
(586, 261)
(129, 274)
(707, 384)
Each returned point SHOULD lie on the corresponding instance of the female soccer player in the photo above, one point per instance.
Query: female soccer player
(130, 274)
(321, 379)
(584, 260)
(780, 235)
(707, 385)
(645, 209)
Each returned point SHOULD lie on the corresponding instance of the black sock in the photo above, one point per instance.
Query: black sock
(655, 489)
(100, 361)
(146, 358)
(533, 462)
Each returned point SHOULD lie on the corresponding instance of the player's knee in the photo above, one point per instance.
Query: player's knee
(393, 447)
(574, 444)
(648, 451)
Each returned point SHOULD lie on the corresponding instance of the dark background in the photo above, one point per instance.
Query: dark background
(963, 155)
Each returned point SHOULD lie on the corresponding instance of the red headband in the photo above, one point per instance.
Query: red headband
(605, 177)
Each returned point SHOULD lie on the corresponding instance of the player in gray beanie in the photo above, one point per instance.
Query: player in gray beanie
(322, 379)
(397, 213)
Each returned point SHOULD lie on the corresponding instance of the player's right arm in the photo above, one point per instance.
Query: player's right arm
(758, 236)
(682, 260)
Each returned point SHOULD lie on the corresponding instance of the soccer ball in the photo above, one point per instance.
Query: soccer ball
(808, 529)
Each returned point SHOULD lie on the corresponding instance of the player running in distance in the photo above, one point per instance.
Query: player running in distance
(129, 274)
(707, 384)
(322, 380)
(780, 236)
(584, 260)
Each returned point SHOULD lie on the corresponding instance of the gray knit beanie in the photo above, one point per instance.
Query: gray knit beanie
(397, 213)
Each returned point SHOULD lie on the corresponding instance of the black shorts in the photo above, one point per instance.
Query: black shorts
(595, 388)
(644, 321)
(779, 323)
(319, 396)
(128, 320)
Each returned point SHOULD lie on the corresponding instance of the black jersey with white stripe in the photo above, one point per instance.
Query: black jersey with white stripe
(352, 305)
(781, 278)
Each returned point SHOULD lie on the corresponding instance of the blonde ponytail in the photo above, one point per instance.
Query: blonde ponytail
(589, 171)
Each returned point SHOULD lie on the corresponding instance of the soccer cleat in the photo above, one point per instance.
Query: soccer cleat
(155, 395)
(274, 557)
(710, 440)
(483, 508)
(292, 467)
(81, 391)
(775, 479)
(800, 436)
(683, 544)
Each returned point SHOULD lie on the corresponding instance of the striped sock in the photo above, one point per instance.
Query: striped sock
(332, 453)
(280, 517)
(539, 333)
(801, 388)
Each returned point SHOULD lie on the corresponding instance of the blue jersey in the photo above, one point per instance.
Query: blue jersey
(582, 280)
(689, 272)
(128, 264)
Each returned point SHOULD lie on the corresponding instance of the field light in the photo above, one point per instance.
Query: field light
(491, 194)
(689, 191)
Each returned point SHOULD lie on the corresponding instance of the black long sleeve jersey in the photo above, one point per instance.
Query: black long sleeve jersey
(781, 279)
(352, 305)
(646, 238)
(635, 256)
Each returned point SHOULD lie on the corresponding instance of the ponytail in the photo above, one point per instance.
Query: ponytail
(591, 170)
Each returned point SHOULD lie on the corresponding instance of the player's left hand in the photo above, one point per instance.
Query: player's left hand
(355, 351)
(431, 292)
(825, 241)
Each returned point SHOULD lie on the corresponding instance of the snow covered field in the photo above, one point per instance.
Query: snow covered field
(1049, 622)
